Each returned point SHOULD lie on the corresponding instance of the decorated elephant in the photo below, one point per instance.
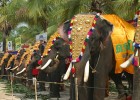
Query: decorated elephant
(86, 34)
(28, 61)
(1, 56)
(3, 64)
(134, 59)
(17, 60)
(104, 30)
(97, 54)
(14, 65)
(53, 63)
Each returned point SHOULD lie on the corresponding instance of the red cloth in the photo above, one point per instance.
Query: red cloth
(40, 62)
(35, 72)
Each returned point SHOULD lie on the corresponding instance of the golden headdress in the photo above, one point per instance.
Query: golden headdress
(35, 47)
(49, 43)
(10, 60)
(5, 56)
(28, 59)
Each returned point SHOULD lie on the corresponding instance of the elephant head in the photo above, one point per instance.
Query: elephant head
(17, 59)
(4, 62)
(59, 50)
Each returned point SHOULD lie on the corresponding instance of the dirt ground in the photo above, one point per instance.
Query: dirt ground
(4, 95)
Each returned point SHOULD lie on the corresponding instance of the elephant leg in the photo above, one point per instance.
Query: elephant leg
(42, 77)
(72, 88)
(118, 82)
(90, 84)
(99, 87)
(82, 87)
(129, 78)
(29, 76)
(107, 88)
(55, 88)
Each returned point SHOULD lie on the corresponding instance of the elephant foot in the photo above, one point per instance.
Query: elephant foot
(106, 93)
(121, 97)
(41, 89)
(53, 95)
(62, 88)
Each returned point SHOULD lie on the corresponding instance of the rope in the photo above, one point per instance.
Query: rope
(61, 83)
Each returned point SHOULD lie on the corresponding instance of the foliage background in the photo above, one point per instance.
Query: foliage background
(47, 15)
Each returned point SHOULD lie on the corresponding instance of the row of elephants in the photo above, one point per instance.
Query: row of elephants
(85, 44)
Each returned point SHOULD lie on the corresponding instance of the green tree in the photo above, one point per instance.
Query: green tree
(64, 10)
(8, 17)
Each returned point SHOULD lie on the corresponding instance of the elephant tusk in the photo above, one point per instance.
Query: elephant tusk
(127, 63)
(56, 56)
(39, 67)
(7, 68)
(66, 76)
(47, 64)
(136, 53)
(21, 71)
(14, 68)
(86, 73)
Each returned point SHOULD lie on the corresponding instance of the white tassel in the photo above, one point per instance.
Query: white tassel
(127, 63)
(86, 73)
(66, 76)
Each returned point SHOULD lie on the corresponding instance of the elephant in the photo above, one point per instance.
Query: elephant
(14, 66)
(1, 56)
(134, 59)
(17, 60)
(101, 34)
(98, 47)
(136, 85)
(32, 70)
(96, 42)
(4, 65)
(57, 66)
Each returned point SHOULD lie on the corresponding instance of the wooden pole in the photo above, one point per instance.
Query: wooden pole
(11, 79)
(76, 89)
(35, 83)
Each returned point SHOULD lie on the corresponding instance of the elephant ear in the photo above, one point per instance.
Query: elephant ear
(104, 28)
(63, 30)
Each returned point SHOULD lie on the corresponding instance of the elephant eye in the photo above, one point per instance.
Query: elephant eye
(58, 48)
